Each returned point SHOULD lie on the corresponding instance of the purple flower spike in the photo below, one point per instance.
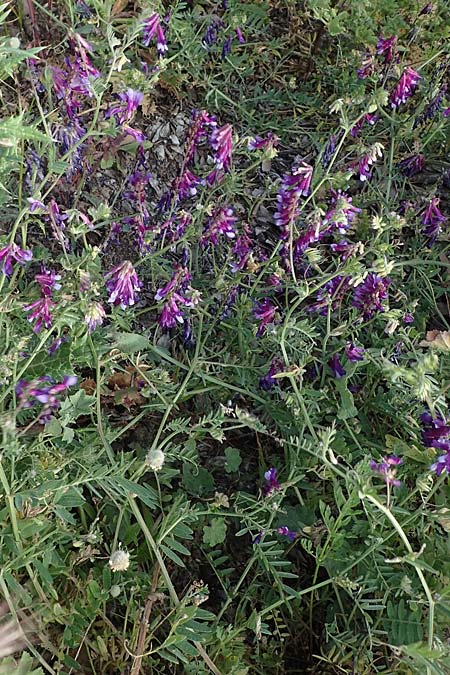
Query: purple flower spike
(242, 251)
(433, 219)
(369, 295)
(411, 165)
(176, 294)
(130, 101)
(336, 367)
(353, 352)
(268, 143)
(152, 28)
(405, 87)
(293, 186)
(387, 468)
(222, 222)
(367, 67)
(272, 484)
(367, 160)
(442, 464)
(222, 143)
(446, 112)
(342, 212)
(122, 284)
(42, 390)
(286, 532)
(386, 47)
(48, 281)
(10, 253)
(40, 312)
(264, 311)
(370, 118)
(331, 295)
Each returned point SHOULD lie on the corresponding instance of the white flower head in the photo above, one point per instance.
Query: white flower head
(119, 560)
(156, 459)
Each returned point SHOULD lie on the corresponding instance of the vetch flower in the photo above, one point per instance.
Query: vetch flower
(366, 162)
(405, 87)
(202, 121)
(433, 219)
(48, 281)
(432, 108)
(222, 222)
(267, 143)
(353, 352)
(177, 295)
(43, 390)
(94, 316)
(286, 532)
(272, 484)
(12, 252)
(119, 560)
(293, 186)
(40, 313)
(331, 295)
(222, 143)
(122, 112)
(366, 68)
(241, 251)
(336, 367)
(370, 118)
(387, 47)
(436, 431)
(265, 311)
(342, 212)
(152, 28)
(369, 295)
(387, 468)
(122, 284)
(411, 165)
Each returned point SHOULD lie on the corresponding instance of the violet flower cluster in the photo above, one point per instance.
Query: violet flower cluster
(12, 253)
(44, 391)
(122, 284)
(436, 435)
(152, 29)
(177, 296)
(387, 468)
(40, 311)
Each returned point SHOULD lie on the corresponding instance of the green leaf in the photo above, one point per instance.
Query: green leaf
(77, 405)
(215, 533)
(129, 343)
(24, 667)
(233, 459)
(197, 480)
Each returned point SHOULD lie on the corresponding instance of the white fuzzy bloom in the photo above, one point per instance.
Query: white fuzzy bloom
(119, 560)
(156, 459)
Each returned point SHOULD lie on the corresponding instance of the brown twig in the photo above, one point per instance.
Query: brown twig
(152, 598)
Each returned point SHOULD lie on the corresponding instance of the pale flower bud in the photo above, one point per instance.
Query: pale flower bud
(119, 561)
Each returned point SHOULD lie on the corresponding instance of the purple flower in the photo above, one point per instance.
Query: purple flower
(48, 281)
(176, 294)
(353, 352)
(152, 28)
(436, 432)
(342, 212)
(411, 165)
(40, 312)
(386, 47)
(387, 468)
(331, 295)
(272, 484)
(432, 219)
(336, 367)
(286, 532)
(226, 48)
(370, 118)
(56, 344)
(222, 222)
(426, 9)
(442, 464)
(35, 204)
(201, 122)
(122, 112)
(268, 143)
(258, 537)
(293, 186)
(122, 284)
(431, 109)
(212, 32)
(366, 68)
(241, 251)
(94, 316)
(186, 184)
(268, 381)
(367, 160)
(222, 143)
(264, 311)
(10, 253)
(408, 318)
(405, 87)
(368, 296)
(239, 35)
(446, 112)
(42, 390)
